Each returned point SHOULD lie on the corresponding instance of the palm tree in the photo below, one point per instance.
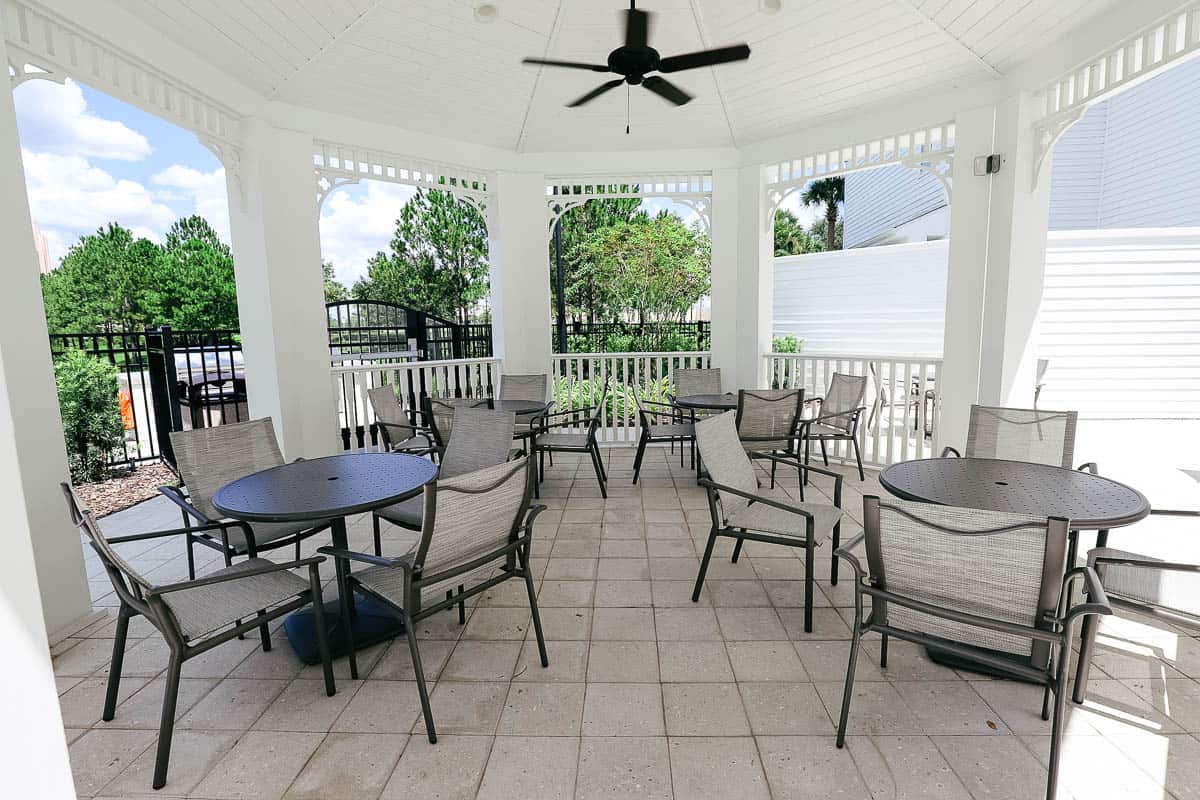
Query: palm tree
(828, 192)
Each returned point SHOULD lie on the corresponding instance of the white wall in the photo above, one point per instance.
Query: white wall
(878, 200)
(886, 300)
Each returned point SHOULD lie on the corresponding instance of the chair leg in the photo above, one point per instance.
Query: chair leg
(378, 538)
(837, 542)
(314, 589)
(346, 601)
(264, 633)
(539, 453)
(692, 453)
(708, 550)
(883, 652)
(810, 553)
(858, 458)
(523, 555)
(824, 455)
(807, 458)
(1060, 701)
(166, 725)
(641, 453)
(595, 454)
(1102, 538)
(118, 658)
(1087, 646)
(462, 608)
(848, 691)
(410, 630)
(541, 465)
(737, 550)
(191, 558)
(774, 464)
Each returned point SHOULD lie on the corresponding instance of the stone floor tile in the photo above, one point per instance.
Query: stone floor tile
(718, 767)
(547, 709)
(1019, 707)
(623, 662)
(828, 660)
(876, 708)
(704, 709)
(493, 624)
(304, 706)
(481, 661)
(738, 593)
(623, 624)
(555, 593)
(472, 708)
(381, 707)
(529, 767)
(623, 569)
(144, 708)
(568, 662)
(765, 661)
(1112, 706)
(85, 656)
(233, 704)
(624, 548)
(623, 709)
(998, 767)
(396, 662)
(260, 766)
(1172, 761)
(785, 709)
(677, 594)
(949, 708)
(193, 755)
(810, 766)
(617, 768)
(566, 624)
(693, 662)
(99, 756)
(82, 704)
(348, 765)
(686, 624)
(623, 594)
(571, 569)
(827, 624)
(1092, 766)
(448, 770)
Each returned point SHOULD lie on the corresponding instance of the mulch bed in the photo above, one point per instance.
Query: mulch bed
(126, 489)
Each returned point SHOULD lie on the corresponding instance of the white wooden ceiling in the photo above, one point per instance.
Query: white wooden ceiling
(428, 65)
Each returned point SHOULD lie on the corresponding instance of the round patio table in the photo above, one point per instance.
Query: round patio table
(519, 407)
(321, 489)
(708, 402)
(1090, 502)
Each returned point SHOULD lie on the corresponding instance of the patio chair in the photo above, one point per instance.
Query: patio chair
(208, 458)
(524, 387)
(1163, 589)
(693, 381)
(742, 510)
(985, 586)
(439, 413)
(194, 616)
(837, 417)
(475, 534)
(768, 421)
(481, 438)
(391, 420)
(559, 432)
(1020, 434)
(661, 422)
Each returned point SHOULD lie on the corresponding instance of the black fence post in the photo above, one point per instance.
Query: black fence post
(164, 395)
(420, 331)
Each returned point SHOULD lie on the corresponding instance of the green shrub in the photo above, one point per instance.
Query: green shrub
(91, 414)
(786, 344)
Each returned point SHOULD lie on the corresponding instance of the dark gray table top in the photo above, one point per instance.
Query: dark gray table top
(519, 406)
(1091, 502)
(712, 402)
(323, 488)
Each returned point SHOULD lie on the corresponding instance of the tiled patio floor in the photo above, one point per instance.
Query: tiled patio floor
(647, 694)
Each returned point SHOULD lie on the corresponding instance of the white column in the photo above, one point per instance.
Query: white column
(281, 303)
(520, 273)
(996, 266)
(43, 585)
(724, 292)
(756, 279)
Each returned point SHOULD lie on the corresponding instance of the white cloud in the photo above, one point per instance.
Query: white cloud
(54, 119)
(194, 192)
(69, 197)
(356, 224)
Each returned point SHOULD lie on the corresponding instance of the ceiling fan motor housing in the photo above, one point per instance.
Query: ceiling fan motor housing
(633, 62)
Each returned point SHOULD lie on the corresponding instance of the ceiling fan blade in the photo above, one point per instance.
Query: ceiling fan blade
(637, 28)
(667, 90)
(594, 93)
(572, 64)
(704, 58)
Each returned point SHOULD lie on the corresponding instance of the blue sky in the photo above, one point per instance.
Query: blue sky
(90, 159)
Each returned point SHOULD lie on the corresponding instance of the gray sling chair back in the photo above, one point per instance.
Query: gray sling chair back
(768, 421)
(524, 387)
(439, 416)
(475, 533)
(194, 616)
(837, 417)
(208, 458)
(396, 430)
(741, 510)
(987, 586)
(1164, 589)
(571, 431)
(481, 438)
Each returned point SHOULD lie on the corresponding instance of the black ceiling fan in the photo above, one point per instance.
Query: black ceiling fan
(636, 58)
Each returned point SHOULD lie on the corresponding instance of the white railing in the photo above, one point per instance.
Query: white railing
(467, 377)
(578, 378)
(902, 400)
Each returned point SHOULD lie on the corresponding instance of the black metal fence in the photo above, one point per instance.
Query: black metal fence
(359, 327)
(623, 337)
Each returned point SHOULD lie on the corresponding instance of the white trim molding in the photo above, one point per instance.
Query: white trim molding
(930, 149)
(41, 45)
(336, 165)
(1140, 57)
(693, 189)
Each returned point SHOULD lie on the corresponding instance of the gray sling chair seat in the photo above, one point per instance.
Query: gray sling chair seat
(475, 533)
(208, 458)
(837, 417)
(194, 616)
(662, 422)
(395, 428)
(1026, 434)
(768, 421)
(1167, 590)
(572, 431)
(988, 586)
(741, 510)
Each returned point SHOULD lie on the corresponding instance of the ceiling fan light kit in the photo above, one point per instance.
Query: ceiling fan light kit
(635, 60)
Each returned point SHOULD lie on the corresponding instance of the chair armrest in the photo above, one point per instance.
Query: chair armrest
(1097, 600)
(530, 516)
(795, 461)
(176, 497)
(234, 576)
(1175, 512)
(210, 526)
(1089, 467)
(766, 501)
(1165, 566)
(366, 558)
(845, 552)
(580, 416)
(947, 451)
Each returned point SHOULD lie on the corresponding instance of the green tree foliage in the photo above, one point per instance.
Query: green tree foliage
(790, 237)
(111, 281)
(91, 416)
(438, 259)
(656, 266)
(828, 193)
(579, 224)
(817, 232)
(335, 290)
